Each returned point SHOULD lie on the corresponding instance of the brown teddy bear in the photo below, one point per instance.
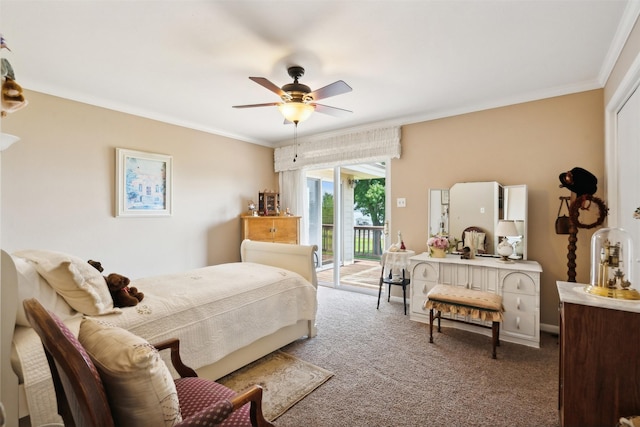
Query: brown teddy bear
(121, 293)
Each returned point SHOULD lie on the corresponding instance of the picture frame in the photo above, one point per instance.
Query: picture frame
(143, 184)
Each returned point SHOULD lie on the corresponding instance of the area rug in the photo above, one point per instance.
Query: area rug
(285, 379)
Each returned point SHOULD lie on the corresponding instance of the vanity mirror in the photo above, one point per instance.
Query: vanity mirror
(481, 205)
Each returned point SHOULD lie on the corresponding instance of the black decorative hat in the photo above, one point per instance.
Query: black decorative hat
(580, 181)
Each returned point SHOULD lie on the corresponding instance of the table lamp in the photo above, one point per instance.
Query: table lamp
(506, 228)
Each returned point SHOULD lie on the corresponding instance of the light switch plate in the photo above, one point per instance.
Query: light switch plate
(401, 202)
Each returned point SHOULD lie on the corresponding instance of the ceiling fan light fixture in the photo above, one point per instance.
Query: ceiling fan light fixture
(296, 112)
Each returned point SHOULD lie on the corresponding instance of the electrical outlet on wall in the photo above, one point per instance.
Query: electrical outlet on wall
(401, 202)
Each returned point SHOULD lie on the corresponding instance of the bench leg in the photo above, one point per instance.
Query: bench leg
(439, 316)
(495, 333)
(431, 325)
(379, 293)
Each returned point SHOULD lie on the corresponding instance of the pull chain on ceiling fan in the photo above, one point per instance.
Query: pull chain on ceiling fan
(298, 100)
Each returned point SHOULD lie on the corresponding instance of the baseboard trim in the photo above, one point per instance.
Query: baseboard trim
(552, 329)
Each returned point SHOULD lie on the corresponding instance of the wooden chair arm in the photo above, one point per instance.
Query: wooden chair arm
(174, 345)
(254, 395)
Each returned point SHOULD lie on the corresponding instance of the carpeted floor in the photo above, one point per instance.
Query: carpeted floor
(387, 374)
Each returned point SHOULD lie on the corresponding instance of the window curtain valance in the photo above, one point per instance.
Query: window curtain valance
(358, 147)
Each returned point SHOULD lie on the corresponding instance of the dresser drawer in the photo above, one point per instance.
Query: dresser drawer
(519, 323)
(421, 288)
(425, 271)
(520, 283)
(417, 303)
(519, 303)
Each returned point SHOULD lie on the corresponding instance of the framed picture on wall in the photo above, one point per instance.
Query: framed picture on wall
(143, 184)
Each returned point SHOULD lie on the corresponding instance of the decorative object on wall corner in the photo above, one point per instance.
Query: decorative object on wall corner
(12, 97)
(636, 214)
(143, 184)
(583, 184)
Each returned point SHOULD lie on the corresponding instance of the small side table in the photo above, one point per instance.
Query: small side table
(395, 266)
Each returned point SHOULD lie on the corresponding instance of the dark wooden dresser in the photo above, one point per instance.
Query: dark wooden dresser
(599, 358)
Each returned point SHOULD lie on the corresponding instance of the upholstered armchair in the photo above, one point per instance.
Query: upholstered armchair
(107, 376)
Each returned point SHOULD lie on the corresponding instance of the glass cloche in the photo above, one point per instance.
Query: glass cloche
(612, 265)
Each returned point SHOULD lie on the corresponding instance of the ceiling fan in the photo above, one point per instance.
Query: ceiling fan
(298, 101)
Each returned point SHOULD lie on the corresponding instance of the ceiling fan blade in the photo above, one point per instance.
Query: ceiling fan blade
(268, 104)
(267, 84)
(335, 88)
(332, 111)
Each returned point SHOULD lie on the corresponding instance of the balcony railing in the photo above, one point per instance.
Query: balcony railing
(367, 241)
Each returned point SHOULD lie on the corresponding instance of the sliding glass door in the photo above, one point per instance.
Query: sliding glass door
(346, 208)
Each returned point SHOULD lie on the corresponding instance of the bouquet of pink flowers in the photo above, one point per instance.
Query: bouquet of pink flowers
(439, 242)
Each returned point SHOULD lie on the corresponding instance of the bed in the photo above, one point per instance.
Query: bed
(225, 316)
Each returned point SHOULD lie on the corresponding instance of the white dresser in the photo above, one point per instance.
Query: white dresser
(518, 283)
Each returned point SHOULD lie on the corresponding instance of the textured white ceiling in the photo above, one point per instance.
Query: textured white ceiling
(187, 62)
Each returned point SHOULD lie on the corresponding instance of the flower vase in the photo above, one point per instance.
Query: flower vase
(437, 252)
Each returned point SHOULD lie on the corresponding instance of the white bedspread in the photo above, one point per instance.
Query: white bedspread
(213, 311)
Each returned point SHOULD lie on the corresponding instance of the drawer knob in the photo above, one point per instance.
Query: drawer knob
(518, 284)
(425, 289)
(518, 322)
(518, 303)
(424, 273)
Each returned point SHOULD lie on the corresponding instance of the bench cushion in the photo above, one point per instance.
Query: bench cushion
(465, 302)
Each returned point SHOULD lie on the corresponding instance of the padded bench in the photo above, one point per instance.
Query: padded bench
(485, 306)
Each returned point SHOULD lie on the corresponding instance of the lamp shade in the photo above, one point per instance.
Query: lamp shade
(506, 228)
(296, 112)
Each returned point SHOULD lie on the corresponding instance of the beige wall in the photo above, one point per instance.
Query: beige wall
(58, 181)
(58, 188)
(529, 143)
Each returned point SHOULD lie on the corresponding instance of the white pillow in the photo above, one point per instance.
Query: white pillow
(139, 386)
(78, 282)
(32, 285)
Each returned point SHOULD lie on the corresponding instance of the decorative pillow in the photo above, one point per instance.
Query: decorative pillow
(139, 386)
(80, 284)
(32, 285)
(480, 237)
